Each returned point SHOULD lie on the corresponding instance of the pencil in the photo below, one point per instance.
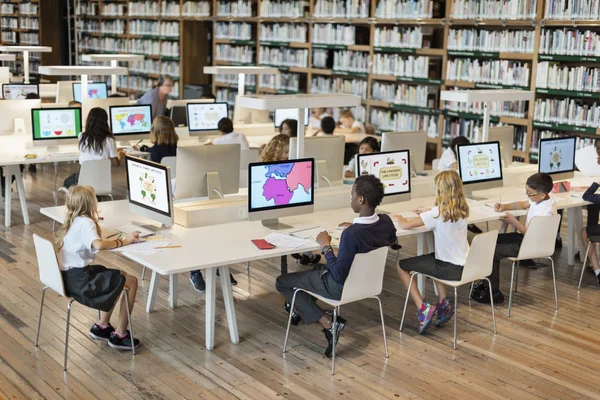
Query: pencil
(167, 247)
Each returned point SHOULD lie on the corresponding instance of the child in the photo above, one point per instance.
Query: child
(228, 136)
(327, 125)
(448, 220)
(368, 145)
(163, 138)
(592, 228)
(317, 115)
(94, 286)
(74, 103)
(96, 143)
(368, 232)
(448, 158)
(348, 124)
(539, 204)
(289, 127)
(277, 149)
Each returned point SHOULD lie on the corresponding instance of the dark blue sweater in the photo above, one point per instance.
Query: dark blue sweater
(590, 194)
(157, 152)
(357, 239)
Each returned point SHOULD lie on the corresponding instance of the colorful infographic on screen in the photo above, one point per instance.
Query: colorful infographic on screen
(130, 119)
(480, 162)
(95, 91)
(557, 155)
(148, 185)
(392, 168)
(58, 123)
(205, 117)
(18, 92)
(281, 184)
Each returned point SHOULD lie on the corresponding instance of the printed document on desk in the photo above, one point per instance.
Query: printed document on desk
(287, 241)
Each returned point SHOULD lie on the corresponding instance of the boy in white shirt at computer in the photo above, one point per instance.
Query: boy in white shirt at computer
(228, 136)
(348, 124)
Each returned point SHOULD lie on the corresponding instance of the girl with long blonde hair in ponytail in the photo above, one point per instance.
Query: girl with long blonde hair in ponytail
(95, 286)
(448, 221)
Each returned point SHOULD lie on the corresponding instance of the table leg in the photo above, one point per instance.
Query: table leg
(21, 192)
(229, 306)
(571, 237)
(7, 196)
(152, 292)
(211, 277)
(173, 290)
(284, 265)
(26, 67)
(55, 179)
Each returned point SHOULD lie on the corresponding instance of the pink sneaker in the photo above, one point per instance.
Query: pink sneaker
(425, 315)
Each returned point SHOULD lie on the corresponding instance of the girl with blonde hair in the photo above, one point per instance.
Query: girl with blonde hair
(164, 139)
(95, 286)
(277, 149)
(448, 221)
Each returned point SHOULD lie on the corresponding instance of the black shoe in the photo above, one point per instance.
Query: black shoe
(473, 228)
(233, 281)
(98, 333)
(122, 343)
(32, 168)
(529, 264)
(341, 323)
(296, 256)
(198, 282)
(309, 260)
(484, 297)
(396, 246)
(598, 277)
(558, 243)
(296, 318)
(480, 287)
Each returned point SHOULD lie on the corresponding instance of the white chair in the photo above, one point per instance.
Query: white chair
(94, 173)
(364, 281)
(478, 266)
(51, 277)
(538, 242)
(170, 162)
(592, 241)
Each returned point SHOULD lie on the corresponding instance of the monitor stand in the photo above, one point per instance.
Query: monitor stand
(19, 125)
(214, 186)
(151, 227)
(275, 225)
(471, 196)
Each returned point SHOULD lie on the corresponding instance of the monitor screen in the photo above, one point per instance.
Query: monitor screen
(289, 113)
(56, 123)
(205, 117)
(557, 155)
(97, 90)
(280, 184)
(18, 92)
(479, 162)
(148, 185)
(391, 167)
(127, 120)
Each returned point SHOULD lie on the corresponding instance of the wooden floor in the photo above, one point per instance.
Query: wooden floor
(539, 353)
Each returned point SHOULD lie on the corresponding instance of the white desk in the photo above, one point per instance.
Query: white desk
(114, 60)
(26, 50)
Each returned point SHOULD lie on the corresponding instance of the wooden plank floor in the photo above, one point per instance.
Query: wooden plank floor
(539, 353)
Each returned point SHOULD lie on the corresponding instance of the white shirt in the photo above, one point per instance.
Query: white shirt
(316, 122)
(544, 208)
(450, 238)
(366, 220)
(446, 160)
(233, 138)
(77, 250)
(360, 125)
(109, 150)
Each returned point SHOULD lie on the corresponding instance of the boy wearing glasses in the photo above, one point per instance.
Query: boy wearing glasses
(537, 188)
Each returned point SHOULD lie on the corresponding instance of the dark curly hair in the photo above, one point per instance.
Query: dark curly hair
(371, 188)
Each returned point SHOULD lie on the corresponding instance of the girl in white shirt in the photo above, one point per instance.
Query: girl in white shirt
(448, 158)
(448, 221)
(95, 286)
(96, 143)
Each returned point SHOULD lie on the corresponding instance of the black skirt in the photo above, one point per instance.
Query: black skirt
(94, 286)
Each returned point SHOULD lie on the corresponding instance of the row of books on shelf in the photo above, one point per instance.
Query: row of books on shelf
(282, 8)
(494, 9)
(572, 9)
(471, 129)
(88, 43)
(285, 81)
(570, 41)
(115, 10)
(237, 54)
(9, 37)
(324, 84)
(233, 30)
(334, 34)
(494, 72)
(351, 61)
(395, 64)
(572, 78)
(10, 23)
(280, 56)
(141, 84)
(8, 8)
(483, 40)
(399, 37)
(397, 121)
(580, 142)
(228, 95)
(402, 94)
(196, 9)
(28, 8)
(514, 109)
(148, 9)
(405, 9)
(232, 79)
(145, 67)
(239, 8)
(567, 111)
(284, 32)
(341, 9)
(29, 23)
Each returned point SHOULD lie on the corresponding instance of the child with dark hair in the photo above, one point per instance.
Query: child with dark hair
(592, 228)
(537, 189)
(448, 158)
(368, 232)
(289, 127)
(228, 136)
(328, 125)
(368, 145)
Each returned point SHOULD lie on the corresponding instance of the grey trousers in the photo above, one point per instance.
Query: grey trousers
(317, 280)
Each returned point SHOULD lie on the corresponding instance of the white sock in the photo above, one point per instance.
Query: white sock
(597, 271)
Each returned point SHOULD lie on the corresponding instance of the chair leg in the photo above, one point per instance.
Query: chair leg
(471, 291)
(387, 355)
(406, 301)
(67, 334)
(99, 315)
(111, 197)
(334, 336)
(126, 294)
(455, 313)
(512, 281)
(492, 304)
(248, 266)
(287, 331)
(587, 250)
(554, 282)
(37, 333)
(517, 276)
(143, 272)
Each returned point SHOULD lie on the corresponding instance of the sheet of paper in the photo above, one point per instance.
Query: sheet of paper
(308, 233)
(486, 210)
(287, 241)
(141, 247)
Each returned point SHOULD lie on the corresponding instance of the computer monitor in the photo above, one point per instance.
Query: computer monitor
(54, 126)
(11, 91)
(244, 115)
(479, 166)
(178, 109)
(205, 117)
(64, 91)
(102, 103)
(212, 171)
(557, 157)
(392, 168)
(149, 190)
(98, 90)
(130, 122)
(16, 116)
(505, 135)
(289, 113)
(328, 152)
(415, 142)
(280, 189)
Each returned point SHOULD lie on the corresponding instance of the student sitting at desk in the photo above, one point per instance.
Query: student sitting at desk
(368, 232)
(368, 145)
(164, 139)
(348, 124)
(593, 210)
(228, 136)
(327, 127)
(96, 143)
(317, 115)
(277, 149)
(448, 221)
(289, 127)
(537, 188)
(448, 158)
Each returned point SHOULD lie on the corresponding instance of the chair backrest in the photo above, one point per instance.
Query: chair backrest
(97, 174)
(170, 162)
(366, 276)
(481, 257)
(50, 274)
(540, 238)
(435, 163)
(247, 157)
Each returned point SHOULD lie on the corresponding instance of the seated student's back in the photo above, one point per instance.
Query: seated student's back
(228, 136)
(164, 139)
(97, 142)
(277, 149)
(327, 125)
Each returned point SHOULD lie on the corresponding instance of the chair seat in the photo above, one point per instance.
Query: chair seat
(445, 282)
(331, 302)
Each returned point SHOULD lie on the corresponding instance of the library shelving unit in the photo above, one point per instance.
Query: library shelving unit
(30, 23)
